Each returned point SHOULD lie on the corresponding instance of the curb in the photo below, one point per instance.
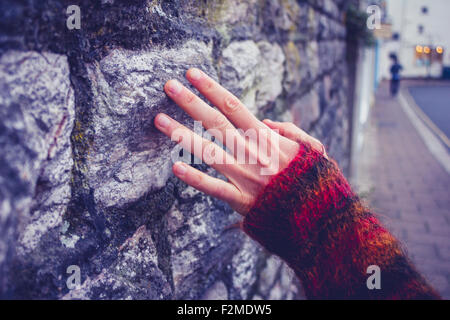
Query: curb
(435, 140)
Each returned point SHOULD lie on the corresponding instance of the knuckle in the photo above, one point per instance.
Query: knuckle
(208, 152)
(219, 122)
(255, 179)
(208, 85)
(197, 180)
(190, 97)
(220, 193)
(231, 105)
(178, 135)
(245, 204)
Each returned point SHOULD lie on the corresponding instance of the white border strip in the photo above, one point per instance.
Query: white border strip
(436, 147)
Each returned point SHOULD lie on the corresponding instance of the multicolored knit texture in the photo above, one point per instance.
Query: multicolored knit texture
(309, 216)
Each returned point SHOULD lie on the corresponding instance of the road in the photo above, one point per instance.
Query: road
(434, 100)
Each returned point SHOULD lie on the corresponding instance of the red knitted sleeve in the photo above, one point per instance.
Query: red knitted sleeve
(309, 216)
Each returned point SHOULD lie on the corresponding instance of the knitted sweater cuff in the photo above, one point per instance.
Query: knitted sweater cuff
(286, 217)
(309, 216)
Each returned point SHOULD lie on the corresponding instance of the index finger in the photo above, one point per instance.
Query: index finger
(224, 100)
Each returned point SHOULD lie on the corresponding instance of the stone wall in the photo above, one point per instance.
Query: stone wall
(85, 178)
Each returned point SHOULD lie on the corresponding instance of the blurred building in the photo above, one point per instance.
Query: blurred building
(420, 37)
(365, 80)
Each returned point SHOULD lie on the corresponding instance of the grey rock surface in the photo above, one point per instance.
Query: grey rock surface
(127, 157)
(37, 112)
(85, 178)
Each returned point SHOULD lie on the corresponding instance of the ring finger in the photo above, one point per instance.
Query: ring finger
(200, 147)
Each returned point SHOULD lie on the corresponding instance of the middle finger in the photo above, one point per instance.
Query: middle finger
(200, 111)
(227, 103)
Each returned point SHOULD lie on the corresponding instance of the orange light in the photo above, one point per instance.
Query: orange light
(419, 49)
(439, 50)
(427, 50)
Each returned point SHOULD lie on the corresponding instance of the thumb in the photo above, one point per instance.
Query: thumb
(294, 133)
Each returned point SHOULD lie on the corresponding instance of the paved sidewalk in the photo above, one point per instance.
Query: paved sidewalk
(408, 188)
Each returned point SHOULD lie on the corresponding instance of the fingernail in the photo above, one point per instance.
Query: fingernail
(195, 74)
(163, 121)
(180, 168)
(174, 86)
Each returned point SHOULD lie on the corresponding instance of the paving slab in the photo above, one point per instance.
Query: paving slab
(407, 187)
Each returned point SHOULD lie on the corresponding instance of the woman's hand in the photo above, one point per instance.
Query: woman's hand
(255, 152)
